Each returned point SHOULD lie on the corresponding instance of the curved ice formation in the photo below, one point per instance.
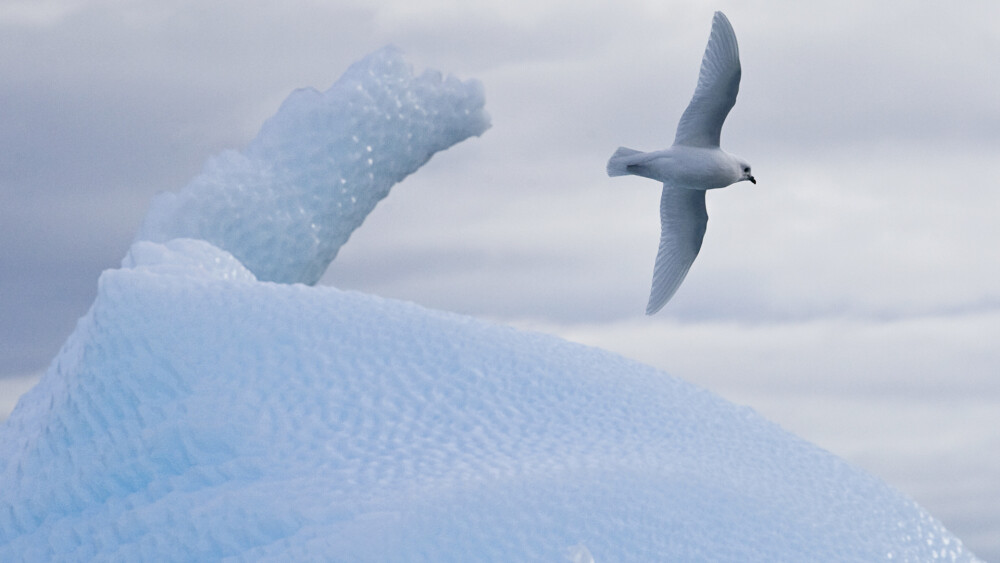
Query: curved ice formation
(285, 205)
(197, 414)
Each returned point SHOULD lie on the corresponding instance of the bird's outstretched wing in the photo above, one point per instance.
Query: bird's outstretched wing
(683, 219)
(718, 84)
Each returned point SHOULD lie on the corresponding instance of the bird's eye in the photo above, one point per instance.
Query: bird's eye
(746, 169)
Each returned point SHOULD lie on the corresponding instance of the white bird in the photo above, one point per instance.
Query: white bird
(693, 164)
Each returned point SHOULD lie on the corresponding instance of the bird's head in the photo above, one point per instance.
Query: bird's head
(745, 172)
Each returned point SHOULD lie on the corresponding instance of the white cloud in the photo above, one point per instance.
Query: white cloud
(912, 356)
(36, 13)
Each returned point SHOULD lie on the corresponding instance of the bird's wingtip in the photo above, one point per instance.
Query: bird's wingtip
(720, 17)
(652, 308)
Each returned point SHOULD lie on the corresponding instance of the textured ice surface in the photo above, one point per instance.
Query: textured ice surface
(285, 205)
(197, 414)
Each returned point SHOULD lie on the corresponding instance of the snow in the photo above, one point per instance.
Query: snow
(202, 411)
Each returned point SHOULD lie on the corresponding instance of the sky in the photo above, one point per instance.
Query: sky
(851, 295)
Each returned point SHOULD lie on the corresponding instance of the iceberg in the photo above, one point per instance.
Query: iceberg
(197, 413)
(202, 410)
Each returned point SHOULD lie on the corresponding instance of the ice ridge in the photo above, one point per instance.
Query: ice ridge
(285, 204)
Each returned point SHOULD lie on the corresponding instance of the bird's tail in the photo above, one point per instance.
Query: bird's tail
(618, 165)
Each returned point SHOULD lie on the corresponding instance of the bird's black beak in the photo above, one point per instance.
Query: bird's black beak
(752, 181)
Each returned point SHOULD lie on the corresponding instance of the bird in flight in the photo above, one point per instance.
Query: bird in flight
(693, 164)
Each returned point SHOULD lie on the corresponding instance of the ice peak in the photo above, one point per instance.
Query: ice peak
(285, 205)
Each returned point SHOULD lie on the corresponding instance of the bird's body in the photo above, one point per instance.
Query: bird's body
(692, 165)
(691, 168)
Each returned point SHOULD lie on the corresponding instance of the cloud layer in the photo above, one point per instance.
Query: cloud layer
(857, 280)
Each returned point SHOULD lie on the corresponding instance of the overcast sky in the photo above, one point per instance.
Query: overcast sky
(852, 295)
